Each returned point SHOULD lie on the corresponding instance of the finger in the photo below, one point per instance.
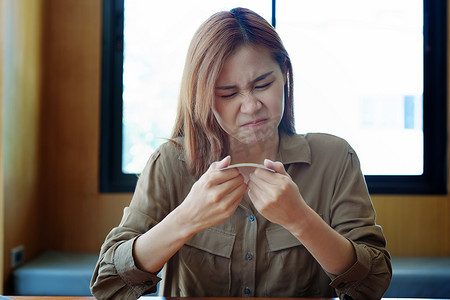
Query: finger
(276, 166)
(256, 187)
(251, 195)
(263, 177)
(230, 203)
(217, 177)
(255, 181)
(224, 176)
(255, 198)
(229, 199)
(225, 162)
(232, 183)
(236, 194)
(271, 178)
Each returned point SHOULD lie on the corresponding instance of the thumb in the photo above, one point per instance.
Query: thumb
(276, 166)
(225, 162)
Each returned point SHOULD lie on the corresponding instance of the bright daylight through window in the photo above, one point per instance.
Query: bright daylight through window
(358, 73)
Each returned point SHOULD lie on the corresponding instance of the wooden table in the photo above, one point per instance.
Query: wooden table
(156, 298)
(188, 298)
(49, 298)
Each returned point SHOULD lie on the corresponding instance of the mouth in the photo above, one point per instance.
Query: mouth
(255, 123)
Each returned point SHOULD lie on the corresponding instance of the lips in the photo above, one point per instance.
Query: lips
(255, 123)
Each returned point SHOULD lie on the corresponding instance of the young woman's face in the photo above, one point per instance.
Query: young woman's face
(249, 95)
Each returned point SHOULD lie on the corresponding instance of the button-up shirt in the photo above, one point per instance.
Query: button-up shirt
(247, 255)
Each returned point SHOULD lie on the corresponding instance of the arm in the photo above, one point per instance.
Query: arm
(130, 257)
(277, 198)
(352, 218)
(212, 200)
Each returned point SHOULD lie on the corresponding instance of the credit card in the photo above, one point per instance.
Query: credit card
(247, 165)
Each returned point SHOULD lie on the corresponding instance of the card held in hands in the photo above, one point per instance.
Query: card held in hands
(247, 165)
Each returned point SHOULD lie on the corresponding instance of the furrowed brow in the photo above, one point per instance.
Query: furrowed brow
(259, 78)
(226, 87)
(262, 77)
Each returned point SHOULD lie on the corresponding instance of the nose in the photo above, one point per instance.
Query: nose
(250, 103)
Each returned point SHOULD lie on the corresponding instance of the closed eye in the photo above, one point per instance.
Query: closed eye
(263, 86)
(228, 96)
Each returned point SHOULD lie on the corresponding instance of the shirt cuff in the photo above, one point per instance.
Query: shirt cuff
(130, 273)
(358, 271)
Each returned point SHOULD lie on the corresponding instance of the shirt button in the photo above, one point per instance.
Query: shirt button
(247, 290)
(341, 285)
(251, 218)
(249, 256)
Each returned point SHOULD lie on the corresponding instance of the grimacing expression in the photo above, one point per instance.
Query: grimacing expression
(249, 95)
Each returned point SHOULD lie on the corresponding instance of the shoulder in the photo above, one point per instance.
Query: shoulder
(302, 148)
(328, 148)
(172, 149)
(169, 156)
(326, 139)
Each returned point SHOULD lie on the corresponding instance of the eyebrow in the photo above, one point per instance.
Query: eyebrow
(259, 78)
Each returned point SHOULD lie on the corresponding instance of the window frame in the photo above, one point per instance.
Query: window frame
(432, 181)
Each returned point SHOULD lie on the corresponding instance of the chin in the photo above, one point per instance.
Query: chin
(255, 137)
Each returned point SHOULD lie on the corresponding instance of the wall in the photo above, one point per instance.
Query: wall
(21, 69)
(52, 141)
(415, 225)
(78, 216)
(2, 194)
(70, 128)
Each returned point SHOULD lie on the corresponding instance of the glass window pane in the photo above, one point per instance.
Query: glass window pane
(358, 72)
(156, 38)
(358, 69)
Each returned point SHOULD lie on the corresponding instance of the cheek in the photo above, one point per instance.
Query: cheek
(225, 110)
(223, 113)
(218, 109)
(275, 101)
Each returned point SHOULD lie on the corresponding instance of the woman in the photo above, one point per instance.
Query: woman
(304, 228)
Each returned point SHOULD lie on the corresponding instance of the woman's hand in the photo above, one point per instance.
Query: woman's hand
(214, 197)
(276, 196)
(212, 200)
(278, 199)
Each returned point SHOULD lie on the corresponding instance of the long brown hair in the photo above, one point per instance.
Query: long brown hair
(217, 38)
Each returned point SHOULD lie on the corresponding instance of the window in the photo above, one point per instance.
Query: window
(372, 72)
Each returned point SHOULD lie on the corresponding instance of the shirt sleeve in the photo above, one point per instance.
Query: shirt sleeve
(116, 275)
(353, 216)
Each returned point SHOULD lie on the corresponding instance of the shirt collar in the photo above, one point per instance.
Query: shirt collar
(293, 148)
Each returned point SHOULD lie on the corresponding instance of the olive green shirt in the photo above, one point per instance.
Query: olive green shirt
(247, 255)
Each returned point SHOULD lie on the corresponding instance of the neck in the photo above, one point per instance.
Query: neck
(256, 152)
